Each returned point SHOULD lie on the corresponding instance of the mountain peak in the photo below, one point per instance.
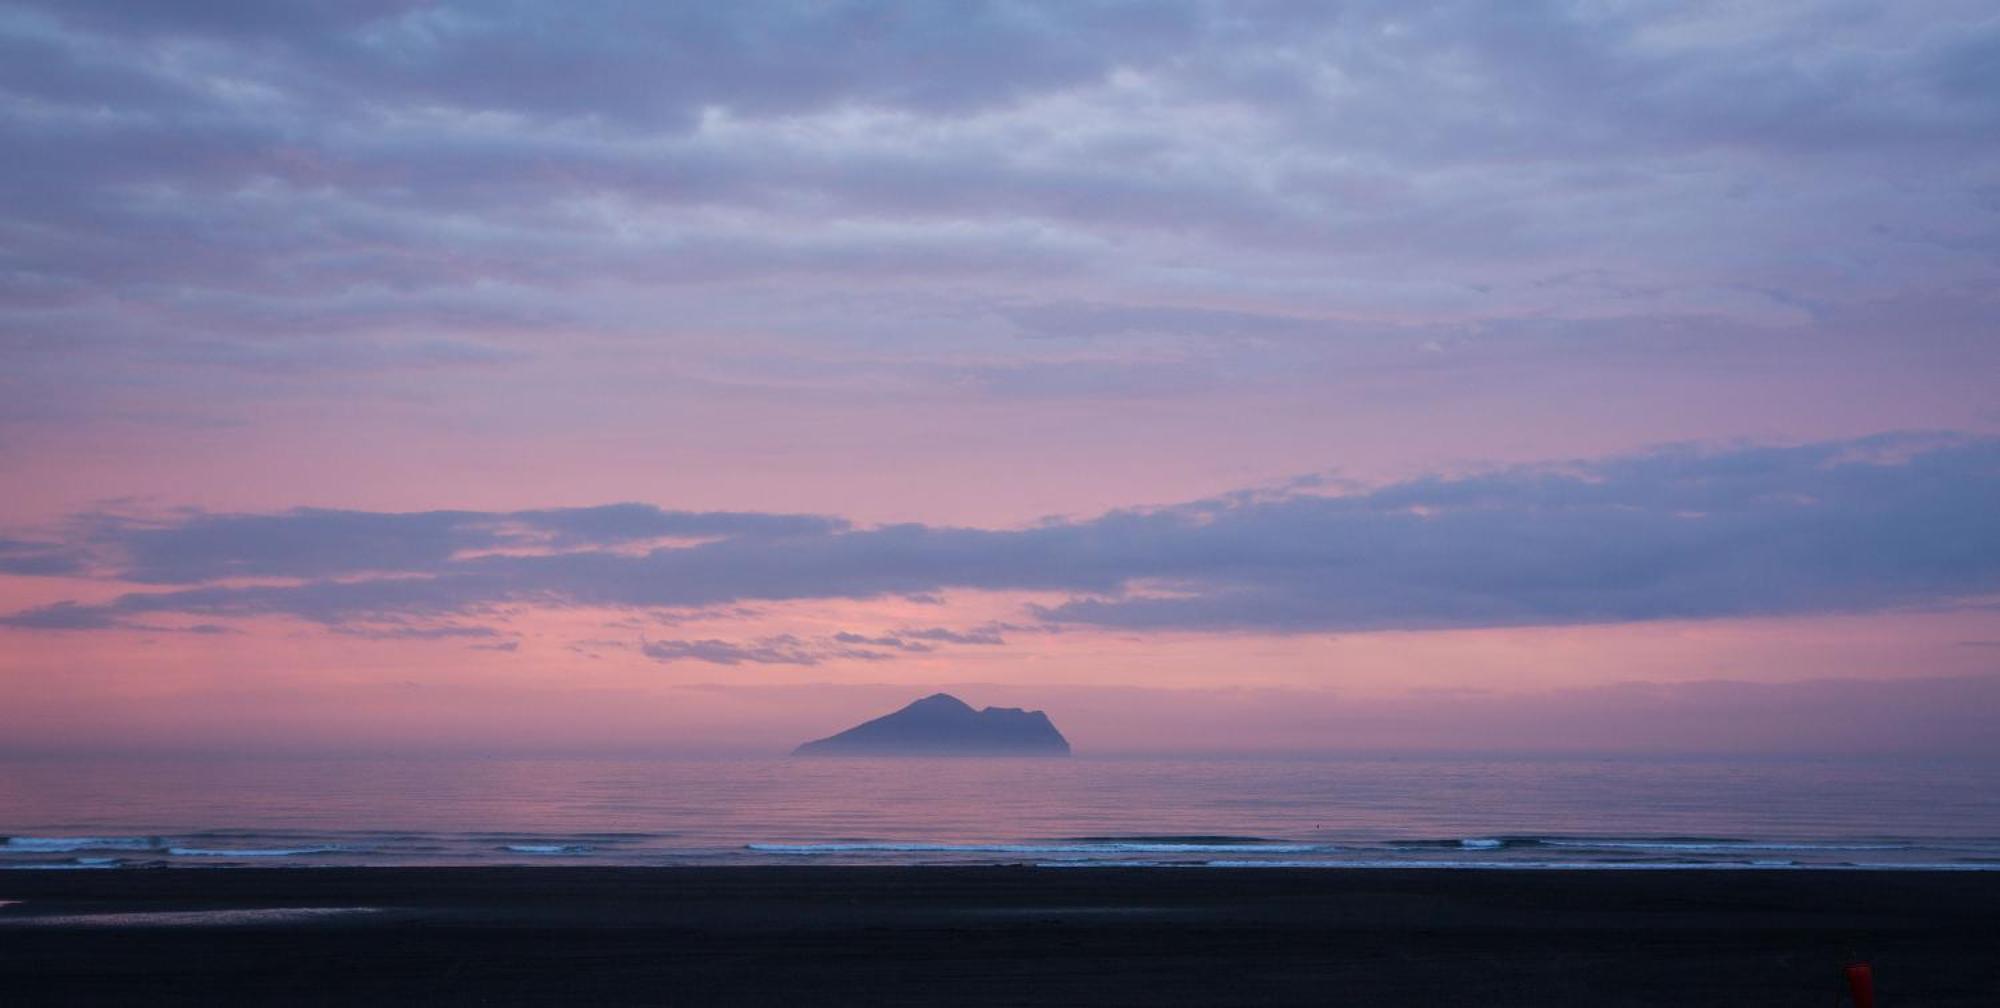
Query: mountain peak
(944, 725)
(939, 701)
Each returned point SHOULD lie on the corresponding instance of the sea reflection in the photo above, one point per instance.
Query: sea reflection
(1442, 811)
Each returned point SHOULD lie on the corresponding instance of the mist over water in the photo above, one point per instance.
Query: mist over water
(1416, 811)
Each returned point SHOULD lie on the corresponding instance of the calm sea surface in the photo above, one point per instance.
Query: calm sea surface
(1423, 811)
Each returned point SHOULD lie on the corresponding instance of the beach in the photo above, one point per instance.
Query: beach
(994, 935)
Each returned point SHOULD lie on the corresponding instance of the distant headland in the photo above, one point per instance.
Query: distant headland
(944, 725)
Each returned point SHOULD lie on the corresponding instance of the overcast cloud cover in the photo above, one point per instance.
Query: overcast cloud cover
(903, 191)
(400, 324)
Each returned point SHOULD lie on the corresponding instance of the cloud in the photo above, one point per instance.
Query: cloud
(612, 523)
(318, 542)
(988, 634)
(65, 616)
(1676, 533)
(376, 188)
(39, 559)
(887, 641)
(637, 63)
(439, 632)
(788, 649)
(1090, 379)
(781, 649)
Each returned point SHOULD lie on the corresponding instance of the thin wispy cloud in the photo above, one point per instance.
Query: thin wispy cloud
(780, 649)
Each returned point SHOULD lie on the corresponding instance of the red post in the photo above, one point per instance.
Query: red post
(1861, 983)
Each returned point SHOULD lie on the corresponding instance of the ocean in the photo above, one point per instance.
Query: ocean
(1417, 811)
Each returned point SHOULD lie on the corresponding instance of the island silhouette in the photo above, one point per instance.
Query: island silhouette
(944, 725)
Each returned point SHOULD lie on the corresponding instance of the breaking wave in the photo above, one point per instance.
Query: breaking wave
(1077, 847)
(66, 844)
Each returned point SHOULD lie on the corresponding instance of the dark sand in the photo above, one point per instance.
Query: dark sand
(976, 936)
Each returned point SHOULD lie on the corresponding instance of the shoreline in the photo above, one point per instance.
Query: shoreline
(1224, 865)
(811, 934)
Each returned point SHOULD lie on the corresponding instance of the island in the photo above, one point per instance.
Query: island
(944, 725)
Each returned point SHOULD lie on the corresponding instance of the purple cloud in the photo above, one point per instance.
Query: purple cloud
(781, 649)
(1678, 533)
(45, 559)
(319, 542)
(369, 189)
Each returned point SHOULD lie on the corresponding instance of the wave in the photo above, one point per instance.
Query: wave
(1121, 864)
(66, 844)
(1170, 838)
(1677, 844)
(256, 852)
(1099, 847)
(1717, 846)
(228, 848)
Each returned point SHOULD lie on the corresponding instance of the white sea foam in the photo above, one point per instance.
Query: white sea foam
(1101, 864)
(263, 852)
(548, 848)
(63, 845)
(1482, 843)
(1116, 847)
(1716, 846)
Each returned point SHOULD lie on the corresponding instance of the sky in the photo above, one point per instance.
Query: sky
(383, 375)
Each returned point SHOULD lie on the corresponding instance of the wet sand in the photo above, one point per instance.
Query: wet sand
(980, 936)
